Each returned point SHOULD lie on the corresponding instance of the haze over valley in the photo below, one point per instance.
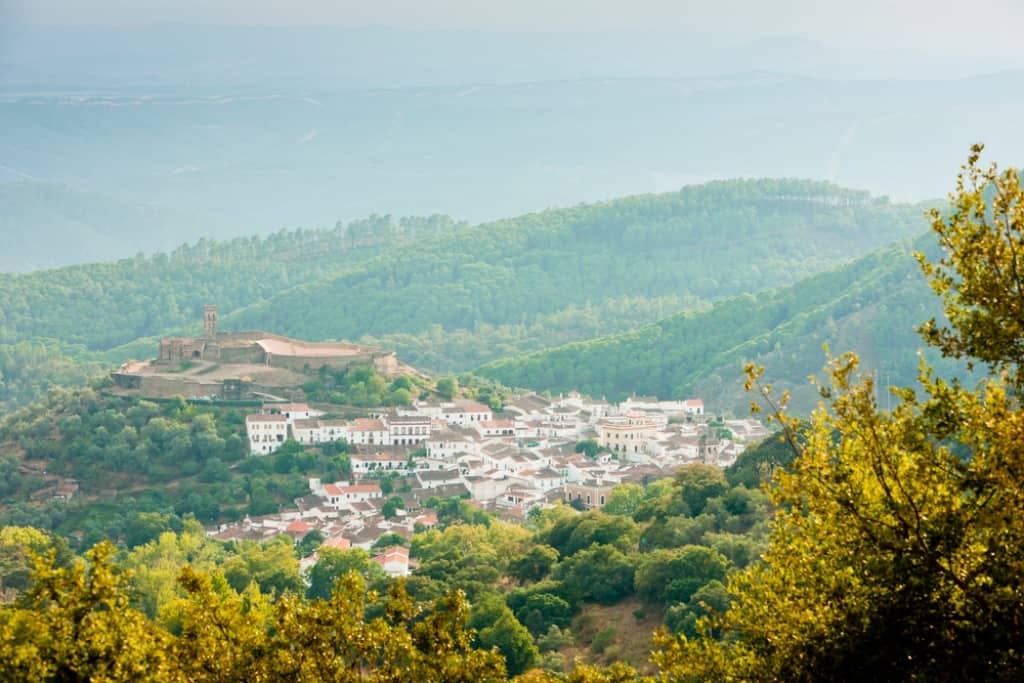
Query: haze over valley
(106, 159)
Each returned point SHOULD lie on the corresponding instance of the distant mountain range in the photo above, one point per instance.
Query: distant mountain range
(226, 139)
(46, 225)
(327, 58)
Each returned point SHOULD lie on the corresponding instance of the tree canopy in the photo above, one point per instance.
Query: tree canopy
(898, 550)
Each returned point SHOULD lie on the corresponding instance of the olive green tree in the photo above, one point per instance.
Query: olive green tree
(898, 546)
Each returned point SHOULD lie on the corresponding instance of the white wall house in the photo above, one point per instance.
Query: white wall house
(694, 406)
(448, 444)
(291, 411)
(496, 428)
(627, 434)
(394, 560)
(306, 431)
(341, 494)
(431, 479)
(359, 492)
(365, 431)
(486, 488)
(333, 430)
(266, 433)
(405, 430)
(466, 413)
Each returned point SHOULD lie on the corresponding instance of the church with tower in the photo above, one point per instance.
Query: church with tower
(174, 349)
(237, 364)
(256, 347)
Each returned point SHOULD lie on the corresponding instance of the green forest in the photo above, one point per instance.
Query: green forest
(873, 305)
(61, 327)
(531, 280)
(538, 595)
(133, 456)
(446, 296)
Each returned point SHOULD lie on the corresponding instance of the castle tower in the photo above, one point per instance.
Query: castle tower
(210, 322)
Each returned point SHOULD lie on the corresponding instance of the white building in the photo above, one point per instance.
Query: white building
(359, 492)
(266, 432)
(394, 560)
(365, 431)
(405, 430)
(333, 430)
(496, 428)
(483, 487)
(341, 494)
(694, 406)
(691, 406)
(626, 434)
(291, 411)
(431, 479)
(544, 479)
(306, 431)
(450, 443)
(466, 413)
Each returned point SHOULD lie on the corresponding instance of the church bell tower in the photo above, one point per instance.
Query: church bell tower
(210, 322)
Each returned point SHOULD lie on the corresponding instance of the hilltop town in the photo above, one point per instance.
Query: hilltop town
(536, 452)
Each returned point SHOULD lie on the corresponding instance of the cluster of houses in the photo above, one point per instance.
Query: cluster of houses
(528, 456)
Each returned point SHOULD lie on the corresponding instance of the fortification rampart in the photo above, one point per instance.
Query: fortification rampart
(235, 364)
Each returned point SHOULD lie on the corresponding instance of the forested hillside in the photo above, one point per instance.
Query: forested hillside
(871, 306)
(61, 326)
(447, 296)
(107, 304)
(545, 278)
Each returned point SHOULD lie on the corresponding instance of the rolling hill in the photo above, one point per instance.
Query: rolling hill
(870, 306)
(445, 295)
(541, 279)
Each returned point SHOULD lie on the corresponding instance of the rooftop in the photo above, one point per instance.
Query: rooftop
(266, 418)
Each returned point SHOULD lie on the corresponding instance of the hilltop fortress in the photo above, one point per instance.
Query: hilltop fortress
(239, 365)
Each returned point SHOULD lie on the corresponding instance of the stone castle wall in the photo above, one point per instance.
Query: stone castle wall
(314, 363)
(241, 355)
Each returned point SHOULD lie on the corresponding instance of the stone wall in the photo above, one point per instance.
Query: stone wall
(250, 354)
(387, 364)
(172, 350)
(314, 363)
(166, 387)
(126, 380)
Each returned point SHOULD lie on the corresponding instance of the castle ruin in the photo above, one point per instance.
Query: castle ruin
(236, 364)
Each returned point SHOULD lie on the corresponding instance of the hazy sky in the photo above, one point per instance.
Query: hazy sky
(959, 27)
